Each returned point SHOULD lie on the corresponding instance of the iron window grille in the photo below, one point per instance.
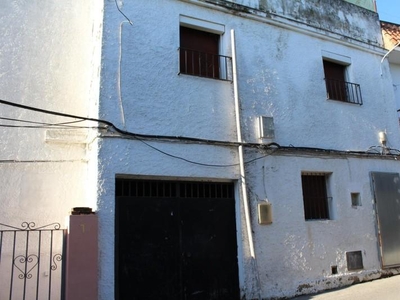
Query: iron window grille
(315, 199)
(169, 189)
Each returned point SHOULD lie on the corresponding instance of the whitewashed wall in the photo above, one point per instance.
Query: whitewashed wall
(395, 72)
(332, 16)
(49, 59)
(294, 254)
(280, 75)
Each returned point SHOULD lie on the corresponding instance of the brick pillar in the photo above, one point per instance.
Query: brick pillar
(82, 257)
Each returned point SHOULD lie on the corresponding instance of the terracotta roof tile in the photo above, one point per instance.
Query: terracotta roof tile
(391, 31)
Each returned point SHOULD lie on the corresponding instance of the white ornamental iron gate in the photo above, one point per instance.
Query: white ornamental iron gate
(31, 262)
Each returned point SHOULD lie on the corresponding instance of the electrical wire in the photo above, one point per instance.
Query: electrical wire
(48, 127)
(62, 125)
(116, 4)
(188, 160)
(139, 137)
(7, 161)
(383, 149)
(143, 137)
(202, 164)
(41, 123)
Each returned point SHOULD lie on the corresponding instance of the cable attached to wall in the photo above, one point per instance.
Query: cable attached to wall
(142, 137)
(119, 89)
(107, 125)
(116, 4)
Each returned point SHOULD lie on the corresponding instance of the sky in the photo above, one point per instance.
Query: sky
(389, 10)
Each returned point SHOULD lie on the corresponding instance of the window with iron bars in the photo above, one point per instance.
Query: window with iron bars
(337, 88)
(315, 198)
(199, 55)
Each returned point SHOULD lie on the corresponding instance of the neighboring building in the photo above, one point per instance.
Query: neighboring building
(311, 72)
(391, 40)
(242, 150)
(49, 59)
(368, 4)
(53, 65)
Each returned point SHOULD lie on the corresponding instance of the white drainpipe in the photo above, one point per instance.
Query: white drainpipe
(243, 186)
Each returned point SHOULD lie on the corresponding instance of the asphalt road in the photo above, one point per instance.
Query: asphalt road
(380, 289)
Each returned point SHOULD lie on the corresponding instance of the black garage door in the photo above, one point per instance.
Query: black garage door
(175, 241)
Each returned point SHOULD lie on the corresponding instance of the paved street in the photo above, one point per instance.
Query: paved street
(381, 289)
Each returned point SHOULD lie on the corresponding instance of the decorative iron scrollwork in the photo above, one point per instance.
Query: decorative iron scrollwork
(56, 258)
(30, 226)
(25, 264)
(33, 250)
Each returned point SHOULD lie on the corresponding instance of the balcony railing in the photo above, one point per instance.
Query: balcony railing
(343, 91)
(196, 63)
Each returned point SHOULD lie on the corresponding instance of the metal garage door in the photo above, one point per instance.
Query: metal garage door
(175, 240)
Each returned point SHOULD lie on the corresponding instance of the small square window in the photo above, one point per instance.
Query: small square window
(315, 197)
(355, 199)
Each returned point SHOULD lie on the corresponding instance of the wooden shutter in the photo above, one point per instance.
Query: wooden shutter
(199, 53)
(335, 80)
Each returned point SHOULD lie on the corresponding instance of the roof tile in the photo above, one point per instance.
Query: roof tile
(391, 31)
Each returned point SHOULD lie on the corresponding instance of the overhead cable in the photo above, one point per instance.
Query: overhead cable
(137, 135)
(116, 4)
(143, 137)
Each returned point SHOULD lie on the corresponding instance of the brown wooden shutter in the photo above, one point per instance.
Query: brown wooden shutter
(199, 53)
(335, 80)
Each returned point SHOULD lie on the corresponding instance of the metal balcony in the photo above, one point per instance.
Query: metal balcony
(196, 63)
(343, 91)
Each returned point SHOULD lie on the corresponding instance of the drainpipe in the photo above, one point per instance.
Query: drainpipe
(387, 53)
(243, 187)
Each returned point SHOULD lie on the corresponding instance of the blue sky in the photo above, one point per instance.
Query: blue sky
(389, 10)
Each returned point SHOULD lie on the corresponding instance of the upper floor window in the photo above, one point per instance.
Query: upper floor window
(200, 49)
(337, 85)
(315, 196)
(199, 53)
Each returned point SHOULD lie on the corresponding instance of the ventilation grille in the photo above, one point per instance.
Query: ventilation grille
(354, 260)
(172, 189)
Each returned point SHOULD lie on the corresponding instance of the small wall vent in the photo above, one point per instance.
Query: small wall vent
(264, 213)
(266, 125)
(354, 260)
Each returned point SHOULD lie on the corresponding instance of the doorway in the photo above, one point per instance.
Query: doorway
(387, 198)
(175, 240)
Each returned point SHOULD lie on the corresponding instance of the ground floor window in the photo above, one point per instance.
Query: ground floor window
(315, 196)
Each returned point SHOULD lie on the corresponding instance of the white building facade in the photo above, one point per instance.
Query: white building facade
(231, 149)
(186, 133)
